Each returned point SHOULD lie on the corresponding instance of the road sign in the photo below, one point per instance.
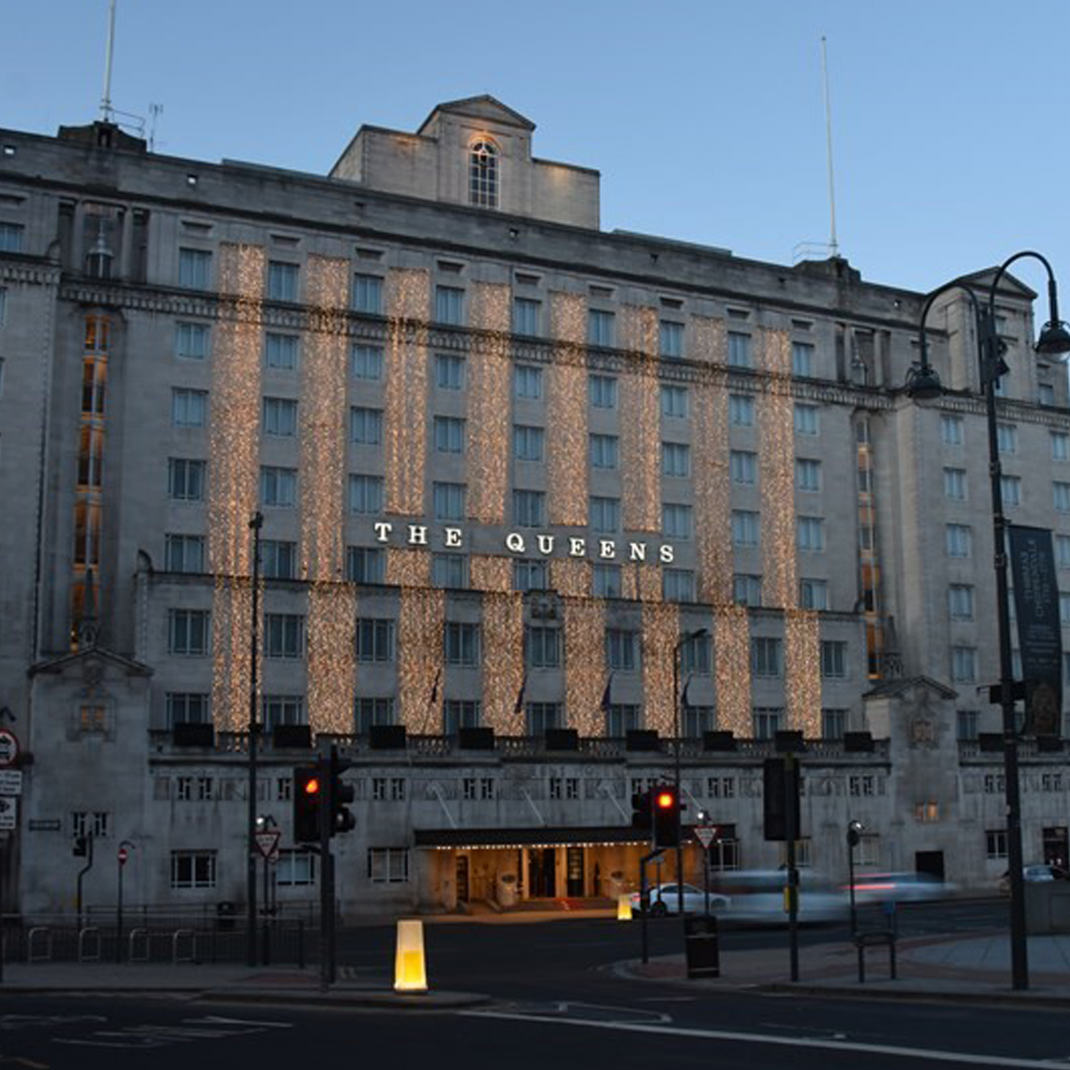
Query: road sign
(10, 782)
(9, 746)
(267, 842)
(9, 812)
(123, 855)
(705, 834)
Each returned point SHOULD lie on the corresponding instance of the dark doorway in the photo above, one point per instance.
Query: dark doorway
(542, 872)
(1056, 851)
(462, 878)
(931, 863)
(574, 871)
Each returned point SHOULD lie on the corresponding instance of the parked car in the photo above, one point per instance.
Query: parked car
(1038, 872)
(756, 897)
(900, 887)
(664, 900)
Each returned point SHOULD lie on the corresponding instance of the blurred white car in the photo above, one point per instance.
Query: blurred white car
(664, 900)
(757, 897)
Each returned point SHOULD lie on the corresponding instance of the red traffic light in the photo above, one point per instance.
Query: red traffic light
(312, 786)
(665, 800)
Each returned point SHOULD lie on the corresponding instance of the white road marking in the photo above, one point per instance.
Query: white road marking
(931, 1055)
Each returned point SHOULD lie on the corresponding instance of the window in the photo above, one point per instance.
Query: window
(189, 408)
(449, 372)
(860, 785)
(278, 560)
(284, 635)
(806, 419)
(281, 281)
(833, 724)
(526, 316)
(951, 430)
(448, 434)
(527, 382)
(604, 515)
(185, 707)
(674, 402)
(802, 359)
(449, 305)
(603, 451)
(295, 868)
(282, 710)
(744, 528)
(678, 585)
(599, 327)
(184, 553)
(1007, 438)
(365, 494)
(606, 581)
(743, 467)
(813, 594)
(458, 714)
(1062, 551)
(542, 647)
(696, 655)
(765, 657)
(3, 306)
(960, 539)
(833, 659)
(810, 534)
(529, 575)
(278, 487)
(365, 426)
(963, 664)
(967, 725)
(191, 341)
(994, 784)
(90, 823)
(676, 459)
(375, 639)
(746, 590)
(529, 508)
(392, 788)
(187, 632)
(193, 869)
(388, 865)
(927, 812)
(1011, 491)
(807, 474)
(671, 339)
(449, 570)
(365, 564)
(280, 417)
(996, 844)
(741, 410)
(622, 648)
(565, 787)
(528, 443)
(483, 174)
(960, 601)
(462, 643)
(185, 479)
(367, 362)
(194, 269)
(721, 787)
(766, 721)
(1061, 497)
(1045, 394)
(541, 716)
(280, 351)
(1060, 446)
(739, 350)
(372, 711)
(368, 294)
(955, 483)
(602, 391)
(676, 520)
(1064, 609)
(621, 719)
(11, 235)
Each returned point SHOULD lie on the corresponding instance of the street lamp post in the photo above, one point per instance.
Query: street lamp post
(255, 525)
(923, 383)
(854, 834)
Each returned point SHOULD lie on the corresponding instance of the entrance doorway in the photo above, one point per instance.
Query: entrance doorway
(542, 872)
(462, 879)
(1056, 850)
(931, 863)
(574, 871)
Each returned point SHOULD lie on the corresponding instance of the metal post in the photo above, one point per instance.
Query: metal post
(706, 868)
(255, 524)
(326, 876)
(791, 791)
(676, 778)
(119, 911)
(851, 884)
(81, 876)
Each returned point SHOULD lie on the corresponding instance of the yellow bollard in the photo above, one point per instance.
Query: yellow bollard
(624, 908)
(410, 974)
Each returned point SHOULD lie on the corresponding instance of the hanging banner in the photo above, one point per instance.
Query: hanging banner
(1036, 603)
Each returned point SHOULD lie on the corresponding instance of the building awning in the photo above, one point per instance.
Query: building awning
(542, 836)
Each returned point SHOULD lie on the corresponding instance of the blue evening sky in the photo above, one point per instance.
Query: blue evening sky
(705, 117)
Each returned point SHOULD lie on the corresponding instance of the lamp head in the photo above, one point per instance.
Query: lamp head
(923, 384)
(1054, 339)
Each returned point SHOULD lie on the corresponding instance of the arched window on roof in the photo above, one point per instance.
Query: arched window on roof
(483, 174)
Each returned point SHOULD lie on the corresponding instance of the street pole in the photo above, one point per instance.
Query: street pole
(255, 524)
(792, 833)
(676, 779)
(854, 830)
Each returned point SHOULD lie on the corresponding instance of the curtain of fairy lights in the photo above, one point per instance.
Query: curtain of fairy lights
(571, 576)
(661, 633)
(490, 572)
(566, 457)
(234, 462)
(408, 308)
(802, 671)
(731, 650)
(585, 664)
(503, 662)
(489, 409)
(331, 604)
(421, 622)
(640, 421)
(640, 582)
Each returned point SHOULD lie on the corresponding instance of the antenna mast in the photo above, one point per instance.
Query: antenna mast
(834, 247)
(105, 100)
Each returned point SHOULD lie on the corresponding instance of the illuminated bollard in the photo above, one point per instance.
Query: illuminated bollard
(410, 974)
(624, 908)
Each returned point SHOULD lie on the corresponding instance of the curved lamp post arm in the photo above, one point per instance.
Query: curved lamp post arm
(1054, 337)
(923, 382)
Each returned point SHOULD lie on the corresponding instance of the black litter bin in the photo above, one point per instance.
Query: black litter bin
(224, 916)
(702, 946)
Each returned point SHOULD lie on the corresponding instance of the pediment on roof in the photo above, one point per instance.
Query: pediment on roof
(484, 107)
(982, 280)
(899, 687)
(92, 661)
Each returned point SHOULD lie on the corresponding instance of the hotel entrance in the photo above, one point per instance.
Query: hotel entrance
(542, 873)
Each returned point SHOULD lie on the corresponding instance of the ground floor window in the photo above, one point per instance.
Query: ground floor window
(996, 843)
(193, 869)
(295, 869)
(388, 865)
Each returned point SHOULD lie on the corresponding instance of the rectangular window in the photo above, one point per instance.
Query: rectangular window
(278, 710)
(1011, 491)
(448, 434)
(606, 581)
(674, 402)
(963, 664)
(450, 571)
(281, 281)
(528, 443)
(1064, 609)
(676, 520)
(676, 459)
(833, 724)
(951, 430)
(527, 382)
(191, 341)
(807, 474)
(526, 316)
(955, 483)
(280, 417)
(1007, 438)
(365, 564)
(1045, 394)
(185, 479)
(280, 351)
(193, 869)
(927, 812)
(187, 632)
(746, 590)
(745, 528)
(375, 640)
(278, 559)
(529, 508)
(449, 372)
(1062, 551)
(541, 716)
(738, 350)
(599, 327)
(960, 539)
(813, 594)
(833, 659)
(806, 419)
(743, 467)
(671, 339)
(542, 647)
(960, 601)
(295, 869)
(388, 865)
(967, 725)
(604, 451)
(810, 534)
(11, 236)
(278, 487)
(765, 657)
(767, 722)
(367, 362)
(449, 305)
(365, 426)
(284, 635)
(368, 294)
(802, 359)
(185, 707)
(678, 585)
(461, 644)
(371, 711)
(365, 495)
(1060, 446)
(189, 408)
(604, 515)
(458, 714)
(1060, 493)
(194, 269)
(721, 787)
(622, 649)
(741, 410)
(184, 553)
(622, 719)
(996, 844)
(602, 391)
(696, 655)
(529, 576)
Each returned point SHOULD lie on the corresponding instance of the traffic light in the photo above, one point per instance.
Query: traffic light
(667, 809)
(342, 819)
(309, 792)
(642, 816)
(780, 798)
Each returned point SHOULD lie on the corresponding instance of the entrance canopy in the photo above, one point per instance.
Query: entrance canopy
(543, 836)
